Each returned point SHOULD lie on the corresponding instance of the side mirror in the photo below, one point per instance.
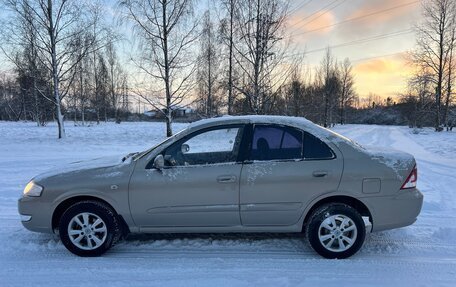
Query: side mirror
(159, 162)
(185, 148)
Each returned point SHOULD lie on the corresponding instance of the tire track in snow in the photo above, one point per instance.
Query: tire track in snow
(422, 254)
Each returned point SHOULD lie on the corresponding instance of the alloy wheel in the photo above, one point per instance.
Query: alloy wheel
(87, 231)
(337, 233)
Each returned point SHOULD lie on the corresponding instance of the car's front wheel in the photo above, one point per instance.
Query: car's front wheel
(336, 231)
(89, 228)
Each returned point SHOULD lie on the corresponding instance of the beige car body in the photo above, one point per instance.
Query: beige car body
(271, 196)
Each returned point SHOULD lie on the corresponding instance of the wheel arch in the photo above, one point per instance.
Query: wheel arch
(349, 200)
(65, 204)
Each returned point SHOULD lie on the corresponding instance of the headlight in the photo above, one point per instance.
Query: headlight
(32, 189)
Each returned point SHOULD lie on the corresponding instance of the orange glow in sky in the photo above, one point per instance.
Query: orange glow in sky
(376, 42)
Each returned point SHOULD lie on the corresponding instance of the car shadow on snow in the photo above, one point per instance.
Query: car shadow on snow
(280, 243)
(229, 242)
(208, 244)
(387, 242)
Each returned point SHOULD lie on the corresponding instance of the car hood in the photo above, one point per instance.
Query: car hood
(102, 167)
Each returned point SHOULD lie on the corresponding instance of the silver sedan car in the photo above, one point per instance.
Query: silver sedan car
(230, 174)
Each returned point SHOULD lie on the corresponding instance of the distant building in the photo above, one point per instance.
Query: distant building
(151, 113)
(177, 112)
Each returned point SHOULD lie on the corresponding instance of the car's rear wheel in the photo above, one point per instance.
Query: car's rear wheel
(336, 231)
(89, 228)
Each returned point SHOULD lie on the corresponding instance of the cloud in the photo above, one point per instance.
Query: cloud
(373, 6)
(396, 63)
(367, 21)
(297, 23)
(378, 66)
(384, 77)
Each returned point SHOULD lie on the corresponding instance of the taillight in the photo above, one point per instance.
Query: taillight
(411, 179)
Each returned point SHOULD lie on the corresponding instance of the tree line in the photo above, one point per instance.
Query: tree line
(430, 94)
(64, 60)
(234, 58)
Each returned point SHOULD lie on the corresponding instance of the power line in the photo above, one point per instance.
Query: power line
(376, 57)
(311, 15)
(366, 40)
(299, 7)
(357, 18)
(357, 42)
(332, 8)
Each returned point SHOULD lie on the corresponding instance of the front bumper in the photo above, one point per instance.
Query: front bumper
(395, 211)
(35, 214)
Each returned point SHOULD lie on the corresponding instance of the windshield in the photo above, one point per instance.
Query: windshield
(143, 153)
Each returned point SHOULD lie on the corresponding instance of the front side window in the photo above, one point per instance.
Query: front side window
(208, 147)
(276, 143)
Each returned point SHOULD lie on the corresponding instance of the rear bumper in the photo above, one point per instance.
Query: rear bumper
(35, 215)
(395, 211)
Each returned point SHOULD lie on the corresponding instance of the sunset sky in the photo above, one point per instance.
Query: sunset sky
(374, 34)
(375, 38)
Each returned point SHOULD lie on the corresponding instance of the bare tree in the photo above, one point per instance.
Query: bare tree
(208, 69)
(115, 78)
(56, 24)
(228, 36)
(260, 52)
(296, 90)
(434, 45)
(83, 80)
(421, 97)
(450, 77)
(101, 88)
(31, 77)
(19, 44)
(167, 31)
(329, 78)
(347, 93)
(104, 37)
(295, 95)
(10, 101)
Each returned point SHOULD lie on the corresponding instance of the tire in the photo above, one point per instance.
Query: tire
(336, 230)
(89, 228)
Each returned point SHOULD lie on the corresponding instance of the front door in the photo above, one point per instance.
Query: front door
(198, 187)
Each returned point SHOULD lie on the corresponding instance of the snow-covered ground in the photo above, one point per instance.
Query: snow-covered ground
(423, 254)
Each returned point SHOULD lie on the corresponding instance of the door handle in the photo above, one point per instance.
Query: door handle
(320, 173)
(226, 179)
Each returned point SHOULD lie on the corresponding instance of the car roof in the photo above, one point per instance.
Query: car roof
(253, 119)
(297, 122)
(302, 123)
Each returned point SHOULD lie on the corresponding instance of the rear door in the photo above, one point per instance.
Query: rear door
(286, 169)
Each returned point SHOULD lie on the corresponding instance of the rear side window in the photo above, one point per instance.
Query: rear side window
(314, 148)
(276, 143)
